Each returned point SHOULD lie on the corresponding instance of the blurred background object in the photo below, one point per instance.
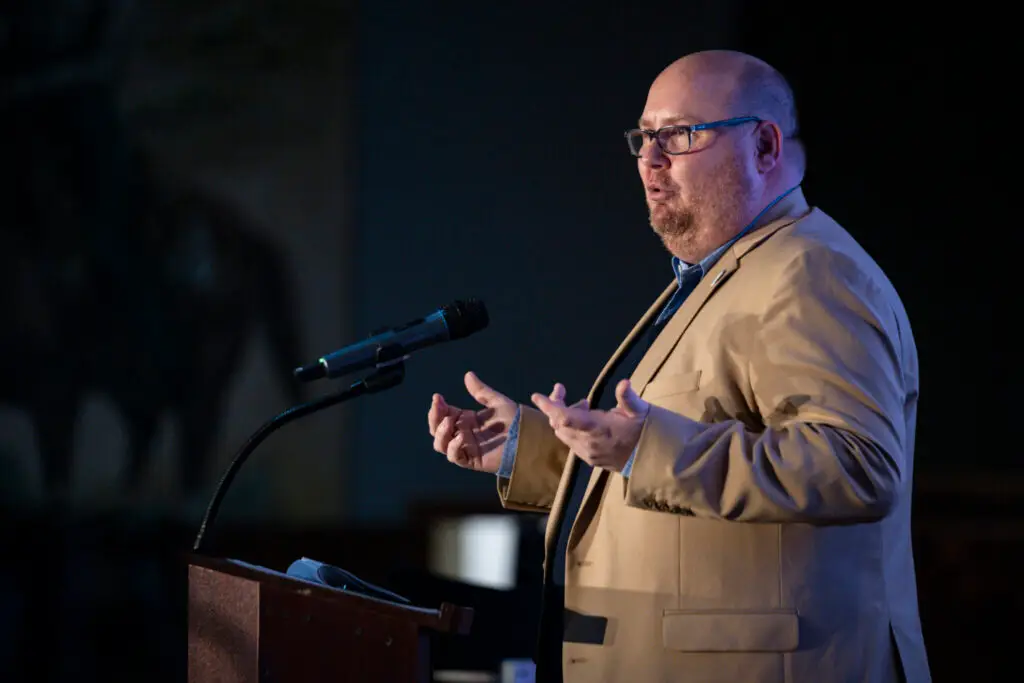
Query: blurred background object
(481, 550)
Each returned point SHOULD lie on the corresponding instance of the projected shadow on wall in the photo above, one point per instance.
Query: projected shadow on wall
(118, 279)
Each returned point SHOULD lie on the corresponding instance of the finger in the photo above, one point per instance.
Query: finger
(491, 431)
(444, 434)
(469, 443)
(467, 427)
(466, 421)
(455, 451)
(629, 401)
(577, 417)
(483, 394)
(582, 404)
(438, 410)
(558, 393)
(547, 406)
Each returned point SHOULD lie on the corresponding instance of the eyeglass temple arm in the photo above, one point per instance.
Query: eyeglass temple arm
(726, 122)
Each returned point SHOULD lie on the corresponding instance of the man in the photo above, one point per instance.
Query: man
(742, 512)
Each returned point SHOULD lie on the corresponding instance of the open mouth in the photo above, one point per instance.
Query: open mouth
(656, 193)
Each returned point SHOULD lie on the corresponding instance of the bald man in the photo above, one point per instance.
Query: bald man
(740, 510)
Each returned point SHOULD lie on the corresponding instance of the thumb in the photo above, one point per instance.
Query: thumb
(629, 401)
(483, 394)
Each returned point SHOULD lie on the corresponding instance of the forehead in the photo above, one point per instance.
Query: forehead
(681, 97)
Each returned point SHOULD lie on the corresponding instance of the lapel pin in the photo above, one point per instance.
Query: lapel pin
(718, 278)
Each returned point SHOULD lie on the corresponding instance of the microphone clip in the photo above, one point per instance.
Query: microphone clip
(390, 368)
(391, 354)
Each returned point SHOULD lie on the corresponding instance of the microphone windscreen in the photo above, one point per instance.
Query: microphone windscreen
(465, 317)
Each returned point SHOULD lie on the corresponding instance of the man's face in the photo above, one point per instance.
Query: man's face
(695, 196)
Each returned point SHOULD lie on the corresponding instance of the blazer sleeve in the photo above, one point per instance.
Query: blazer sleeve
(537, 468)
(825, 363)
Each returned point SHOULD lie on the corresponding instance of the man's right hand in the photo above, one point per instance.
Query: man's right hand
(475, 439)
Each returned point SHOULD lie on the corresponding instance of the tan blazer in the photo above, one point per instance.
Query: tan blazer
(764, 534)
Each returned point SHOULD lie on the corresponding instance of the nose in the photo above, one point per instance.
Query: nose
(652, 156)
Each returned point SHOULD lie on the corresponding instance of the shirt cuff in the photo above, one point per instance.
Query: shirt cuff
(629, 463)
(508, 455)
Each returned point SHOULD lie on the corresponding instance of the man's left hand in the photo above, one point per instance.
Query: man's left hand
(604, 439)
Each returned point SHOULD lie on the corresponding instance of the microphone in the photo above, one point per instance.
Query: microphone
(454, 321)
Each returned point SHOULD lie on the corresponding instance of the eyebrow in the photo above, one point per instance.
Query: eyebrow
(669, 121)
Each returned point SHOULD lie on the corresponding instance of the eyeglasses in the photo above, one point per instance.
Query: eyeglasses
(677, 139)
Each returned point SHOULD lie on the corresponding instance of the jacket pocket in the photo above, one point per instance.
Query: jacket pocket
(773, 630)
(668, 385)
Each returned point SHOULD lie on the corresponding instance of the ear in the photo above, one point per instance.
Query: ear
(767, 146)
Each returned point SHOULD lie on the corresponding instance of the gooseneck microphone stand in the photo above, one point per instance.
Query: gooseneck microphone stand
(389, 373)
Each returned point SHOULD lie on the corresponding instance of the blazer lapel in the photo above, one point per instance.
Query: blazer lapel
(656, 356)
(712, 282)
(653, 360)
(572, 462)
(676, 326)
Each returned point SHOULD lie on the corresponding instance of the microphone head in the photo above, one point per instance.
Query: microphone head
(465, 317)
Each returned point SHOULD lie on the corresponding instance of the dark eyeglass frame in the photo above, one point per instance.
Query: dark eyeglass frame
(688, 128)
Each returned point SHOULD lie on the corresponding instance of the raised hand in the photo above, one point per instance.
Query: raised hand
(605, 439)
(473, 439)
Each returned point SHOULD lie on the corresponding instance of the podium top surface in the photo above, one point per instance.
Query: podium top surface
(446, 618)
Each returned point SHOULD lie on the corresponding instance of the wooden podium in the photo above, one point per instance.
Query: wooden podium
(252, 624)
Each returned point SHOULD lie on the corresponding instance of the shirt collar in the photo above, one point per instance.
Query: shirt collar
(685, 271)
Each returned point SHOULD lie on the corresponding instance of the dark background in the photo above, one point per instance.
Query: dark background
(330, 168)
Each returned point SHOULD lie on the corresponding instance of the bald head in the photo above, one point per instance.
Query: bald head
(738, 84)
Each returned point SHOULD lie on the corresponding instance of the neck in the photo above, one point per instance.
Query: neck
(783, 201)
(696, 245)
